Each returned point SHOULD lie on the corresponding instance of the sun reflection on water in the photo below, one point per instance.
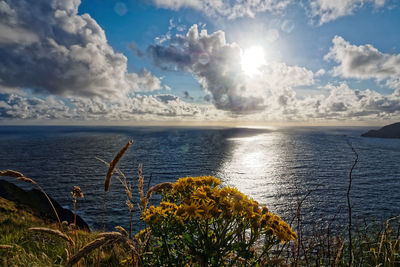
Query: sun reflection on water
(253, 165)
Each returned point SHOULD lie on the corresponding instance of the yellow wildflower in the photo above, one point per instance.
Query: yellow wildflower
(191, 211)
(201, 195)
(168, 206)
(207, 209)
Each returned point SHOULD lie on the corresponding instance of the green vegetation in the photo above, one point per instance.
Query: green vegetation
(199, 222)
(21, 246)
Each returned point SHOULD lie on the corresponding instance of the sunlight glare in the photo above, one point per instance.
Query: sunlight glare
(252, 59)
(252, 167)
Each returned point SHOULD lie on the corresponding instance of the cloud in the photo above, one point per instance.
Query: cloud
(167, 98)
(144, 81)
(321, 11)
(135, 49)
(46, 46)
(343, 102)
(328, 10)
(225, 8)
(187, 96)
(364, 62)
(216, 65)
(138, 108)
(15, 106)
(320, 72)
(340, 103)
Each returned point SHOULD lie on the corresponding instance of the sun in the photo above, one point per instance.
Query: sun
(251, 60)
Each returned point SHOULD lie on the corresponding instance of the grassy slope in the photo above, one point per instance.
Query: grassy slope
(34, 249)
(28, 248)
(372, 247)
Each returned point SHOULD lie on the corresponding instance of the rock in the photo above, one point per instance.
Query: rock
(36, 201)
(388, 131)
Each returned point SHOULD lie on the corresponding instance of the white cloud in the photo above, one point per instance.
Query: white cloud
(145, 81)
(139, 107)
(328, 10)
(340, 103)
(322, 11)
(46, 46)
(320, 72)
(345, 103)
(226, 8)
(393, 83)
(216, 65)
(364, 62)
(15, 106)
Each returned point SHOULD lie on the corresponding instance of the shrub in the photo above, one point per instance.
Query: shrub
(198, 222)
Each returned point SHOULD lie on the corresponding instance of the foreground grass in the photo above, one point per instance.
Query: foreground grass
(375, 244)
(19, 246)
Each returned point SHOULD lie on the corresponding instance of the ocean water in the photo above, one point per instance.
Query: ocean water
(277, 166)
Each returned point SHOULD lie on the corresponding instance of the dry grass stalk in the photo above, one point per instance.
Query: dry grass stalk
(107, 182)
(122, 230)
(20, 177)
(104, 238)
(339, 253)
(86, 250)
(157, 188)
(26, 180)
(128, 190)
(6, 247)
(122, 178)
(140, 186)
(111, 235)
(113, 164)
(11, 173)
(68, 255)
(76, 193)
(53, 232)
(111, 169)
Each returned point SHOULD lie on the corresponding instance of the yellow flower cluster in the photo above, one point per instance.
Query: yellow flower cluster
(200, 198)
(157, 214)
(188, 184)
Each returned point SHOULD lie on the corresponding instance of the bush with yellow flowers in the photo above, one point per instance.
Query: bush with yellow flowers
(201, 223)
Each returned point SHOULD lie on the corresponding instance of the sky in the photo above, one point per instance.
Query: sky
(184, 62)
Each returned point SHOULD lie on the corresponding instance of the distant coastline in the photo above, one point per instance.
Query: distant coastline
(388, 131)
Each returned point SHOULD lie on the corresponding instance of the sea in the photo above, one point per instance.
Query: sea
(284, 168)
